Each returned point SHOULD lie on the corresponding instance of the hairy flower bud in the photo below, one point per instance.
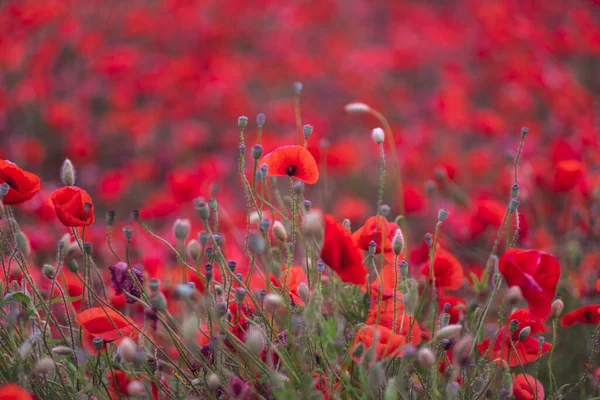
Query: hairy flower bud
(181, 228)
(398, 242)
(279, 231)
(255, 340)
(242, 122)
(67, 173)
(524, 334)
(378, 135)
(357, 108)
(556, 308)
(448, 332)
(49, 271)
(303, 291)
(426, 358)
(44, 366)
(127, 350)
(23, 243)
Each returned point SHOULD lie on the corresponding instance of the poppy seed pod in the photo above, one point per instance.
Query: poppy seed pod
(513, 205)
(442, 215)
(202, 208)
(514, 191)
(307, 205)
(320, 266)
(98, 343)
(524, 131)
(372, 247)
(257, 151)
(67, 173)
(128, 233)
(264, 225)
(242, 122)
(279, 231)
(378, 135)
(307, 130)
(181, 228)
(240, 294)
(357, 108)
(260, 119)
(428, 240)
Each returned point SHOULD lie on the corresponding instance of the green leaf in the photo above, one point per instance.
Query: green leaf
(17, 297)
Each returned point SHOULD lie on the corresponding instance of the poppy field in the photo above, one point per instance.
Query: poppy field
(224, 199)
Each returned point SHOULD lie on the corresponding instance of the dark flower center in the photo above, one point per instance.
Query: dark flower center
(588, 316)
(11, 183)
(291, 170)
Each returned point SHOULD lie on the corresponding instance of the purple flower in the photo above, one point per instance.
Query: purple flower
(122, 279)
(238, 389)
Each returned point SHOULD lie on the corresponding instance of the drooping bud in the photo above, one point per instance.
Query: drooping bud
(378, 135)
(425, 358)
(181, 228)
(67, 173)
(49, 271)
(72, 265)
(242, 122)
(303, 291)
(556, 308)
(398, 242)
(279, 231)
(357, 108)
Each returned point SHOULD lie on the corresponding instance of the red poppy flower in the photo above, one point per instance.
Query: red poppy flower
(73, 206)
(522, 386)
(567, 175)
(536, 274)
(118, 381)
(340, 253)
(295, 276)
(404, 322)
(587, 315)
(105, 324)
(447, 270)
(376, 229)
(456, 307)
(23, 185)
(11, 391)
(387, 343)
(526, 350)
(292, 161)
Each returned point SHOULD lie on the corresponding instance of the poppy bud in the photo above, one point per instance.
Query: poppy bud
(357, 108)
(194, 249)
(297, 87)
(307, 205)
(67, 173)
(279, 231)
(372, 247)
(513, 326)
(154, 285)
(257, 151)
(426, 358)
(524, 131)
(404, 268)
(242, 122)
(72, 265)
(298, 187)
(398, 242)
(514, 191)
(158, 301)
(307, 130)
(541, 341)
(320, 266)
(110, 217)
(255, 340)
(303, 291)
(273, 301)
(49, 271)
(232, 264)
(513, 205)
(428, 240)
(514, 295)
(448, 331)
(136, 389)
(264, 225)
(44, 366)
(128, 233)
(240, 294)
(377, 135)
(202, 209)
(203, 237)
(556, 308)
(212, 380)
(524, 334)
(445, 320)
(127, 350)
(260, 119)
(257, 243)
(181, 228)
(385, 210)
(98, 343)
(442, 215)
(23, 243)
(62, 350)
(4, 188)
(212, 203)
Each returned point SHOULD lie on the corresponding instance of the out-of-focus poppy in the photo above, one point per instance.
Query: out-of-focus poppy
(386, 343)
(73, 206)
(10, 391)
(377, 229)
(454, 306)
(105, 324)
(447, 270)
(118, 381)
(291, 279)
(523, 385)
(404, 322)
(23, 185)
(292, 161)
(340, 253)
(536, 274)
(567, 175)
(527, 350)
(587, 315)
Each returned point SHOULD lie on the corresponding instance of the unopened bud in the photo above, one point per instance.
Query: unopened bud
(358, 351)
(514, 295)
(158, 301)
(320, 266)
(385, 210)
(127, 349)
(240, 294)
(445, 320)
(136, 389)
(524, 334)
(426, 358)
(213, 381)
(194, 249)
(181, 228)
(154, 285)
(44, 366)
(279, 231)
(357, 108)
(67, 173)
(398, 242)
(49, 271)
(513, 326)
(255, 340)
(378, 135)
(307, 205)
(556, 308)
(448, 332)
(23, 243)
(303, 291)
(72, 265)
(541, 341)
(257, 243)
(273, 301)
(62, 350)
